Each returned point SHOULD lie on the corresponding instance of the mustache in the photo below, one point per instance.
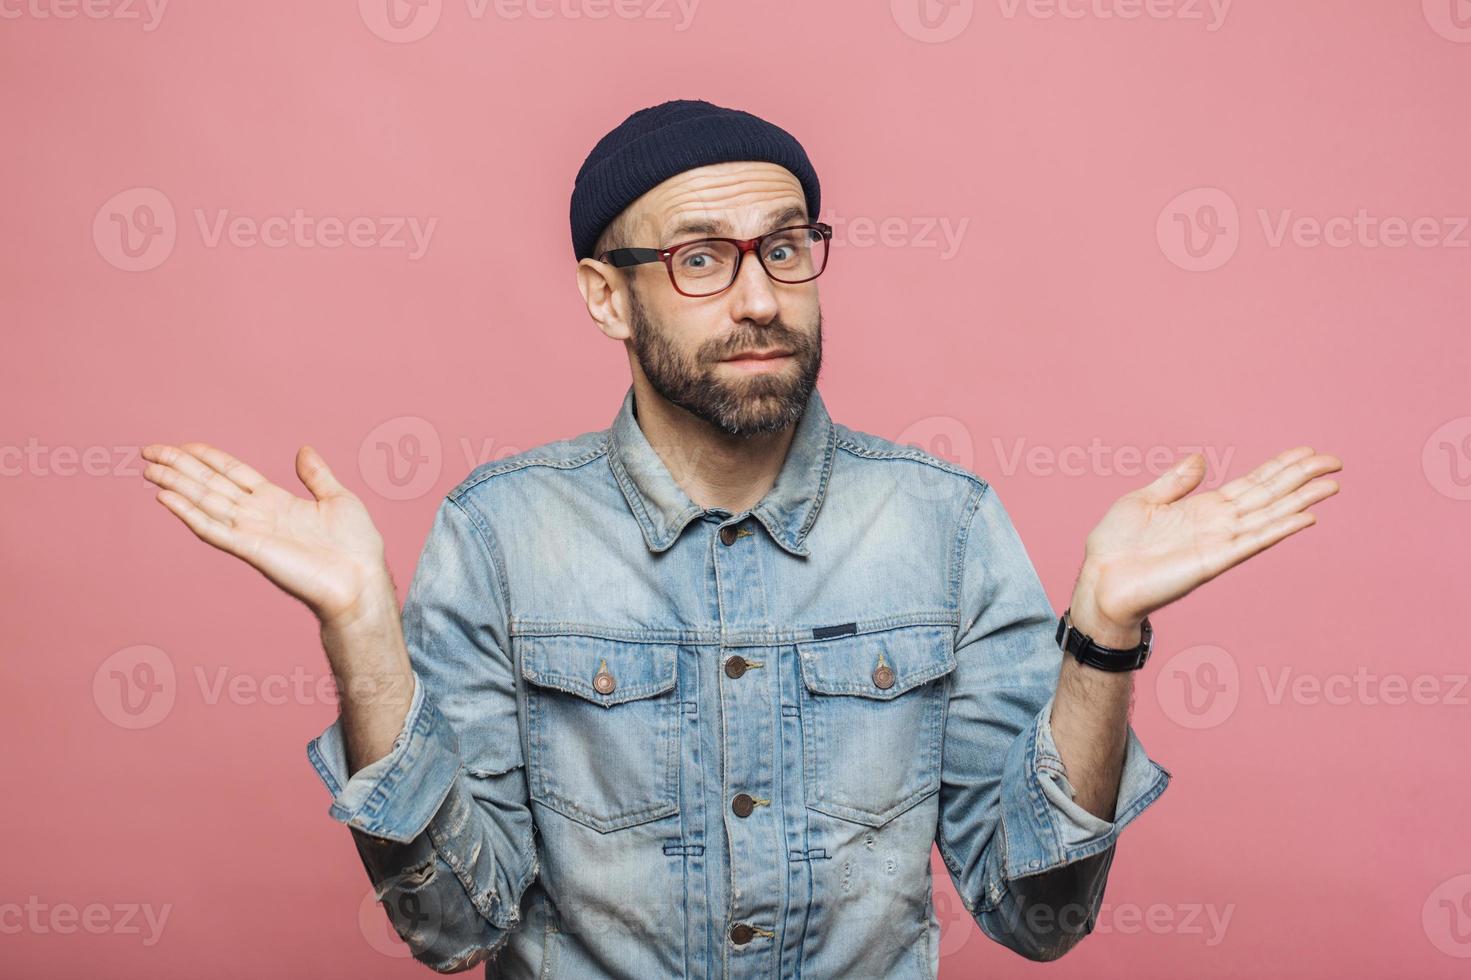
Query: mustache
(774, 334)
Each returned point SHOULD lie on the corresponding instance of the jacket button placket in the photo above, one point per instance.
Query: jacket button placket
(751, 710)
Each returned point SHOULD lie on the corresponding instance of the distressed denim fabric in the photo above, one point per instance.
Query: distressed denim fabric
(652, 740)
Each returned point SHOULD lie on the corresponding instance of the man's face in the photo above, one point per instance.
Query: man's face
(686, 346)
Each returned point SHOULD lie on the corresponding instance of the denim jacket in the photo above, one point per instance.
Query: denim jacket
(652, 740)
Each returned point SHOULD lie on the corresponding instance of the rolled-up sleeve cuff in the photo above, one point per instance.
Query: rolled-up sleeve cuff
(396, 796)
(1044, 826)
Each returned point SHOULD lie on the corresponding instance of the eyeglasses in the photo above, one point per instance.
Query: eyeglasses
(707, 266)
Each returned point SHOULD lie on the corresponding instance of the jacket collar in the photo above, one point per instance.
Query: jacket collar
(663, 509)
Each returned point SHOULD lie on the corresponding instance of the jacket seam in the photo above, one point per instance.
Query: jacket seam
(960, 552)
(488, 541)
(514, 464)
(909, 455)
(521, 628)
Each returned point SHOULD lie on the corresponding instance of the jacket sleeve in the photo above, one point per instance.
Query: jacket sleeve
(442, 822)
(1029, 863)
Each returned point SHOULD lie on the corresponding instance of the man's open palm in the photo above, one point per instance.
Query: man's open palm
(1155, 544)
(325, 551)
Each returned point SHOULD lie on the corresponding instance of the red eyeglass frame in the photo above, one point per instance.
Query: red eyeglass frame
(624, 257)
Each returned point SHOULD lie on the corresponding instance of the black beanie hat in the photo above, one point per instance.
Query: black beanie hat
(656, 143)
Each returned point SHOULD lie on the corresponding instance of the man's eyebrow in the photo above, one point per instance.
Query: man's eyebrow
(791, 214)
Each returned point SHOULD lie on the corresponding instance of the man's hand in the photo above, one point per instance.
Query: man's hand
(1153, 547)
(324, 551)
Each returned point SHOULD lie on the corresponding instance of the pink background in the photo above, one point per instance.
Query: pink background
(1066, 155)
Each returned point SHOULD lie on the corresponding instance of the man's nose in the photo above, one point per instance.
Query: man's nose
(753, 294)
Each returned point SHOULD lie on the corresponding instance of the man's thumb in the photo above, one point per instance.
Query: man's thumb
(313, 471)
(1177, 481)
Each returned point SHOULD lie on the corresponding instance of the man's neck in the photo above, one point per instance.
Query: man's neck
(716, 469)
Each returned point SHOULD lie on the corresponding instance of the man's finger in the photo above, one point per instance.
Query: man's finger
(1300, 499)
(1286, 480)
(1264, 472)
(1260, 539)
(205, 528)
(314, 473)
(228, 466)
(181, 459)
(216, 505)
(1176, 481)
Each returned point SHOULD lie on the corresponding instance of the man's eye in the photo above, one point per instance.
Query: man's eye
(697, 260)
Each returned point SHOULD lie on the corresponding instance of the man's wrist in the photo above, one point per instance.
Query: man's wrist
(1111, 635)
(365, 649)
(374, 611)
(1117, 634)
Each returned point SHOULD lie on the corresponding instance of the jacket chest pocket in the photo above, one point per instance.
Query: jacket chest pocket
(873, 713)
(602, 719)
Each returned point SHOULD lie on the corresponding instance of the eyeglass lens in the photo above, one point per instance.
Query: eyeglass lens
(792, 255)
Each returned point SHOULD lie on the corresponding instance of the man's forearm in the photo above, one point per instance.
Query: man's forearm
(375, 680)
(1090, 714)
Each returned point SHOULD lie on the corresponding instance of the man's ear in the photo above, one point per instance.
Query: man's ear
(606, 297)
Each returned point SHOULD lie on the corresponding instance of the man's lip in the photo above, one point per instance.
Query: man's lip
(756, 355)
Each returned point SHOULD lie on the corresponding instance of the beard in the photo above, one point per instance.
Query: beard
(746, 406)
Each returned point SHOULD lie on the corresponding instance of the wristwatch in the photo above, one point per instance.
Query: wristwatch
(1082, 647)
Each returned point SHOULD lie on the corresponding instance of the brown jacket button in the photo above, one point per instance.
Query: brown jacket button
(728, 534)
(742, 805)
(740, 933)
(883, 677)
(603, 681)
(735, 666)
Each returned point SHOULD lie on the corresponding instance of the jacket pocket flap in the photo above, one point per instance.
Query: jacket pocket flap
(573, 663)
(852, 664)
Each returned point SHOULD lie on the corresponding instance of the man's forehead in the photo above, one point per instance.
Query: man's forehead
(732, 199)
(742, 223)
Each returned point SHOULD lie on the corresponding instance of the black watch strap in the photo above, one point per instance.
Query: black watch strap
(1082, 647)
